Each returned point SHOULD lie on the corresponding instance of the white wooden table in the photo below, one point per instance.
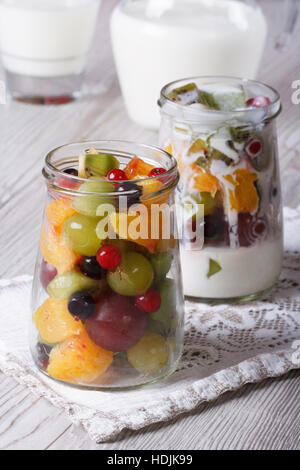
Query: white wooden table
(261, 416)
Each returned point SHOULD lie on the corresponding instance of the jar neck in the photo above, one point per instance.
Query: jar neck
(62, 159)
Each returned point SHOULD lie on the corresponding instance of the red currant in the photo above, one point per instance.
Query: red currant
(156, 172)
(149, 302)
(116, 175)
(109, 257)
(253, 147)
(259, 102)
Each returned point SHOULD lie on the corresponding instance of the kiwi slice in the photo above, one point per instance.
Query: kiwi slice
(187, 94)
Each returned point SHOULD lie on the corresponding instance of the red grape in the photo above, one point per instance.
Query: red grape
(48, 273)
(117, 324)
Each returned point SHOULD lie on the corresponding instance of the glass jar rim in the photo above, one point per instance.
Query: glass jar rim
(54, 175)
(271, 110)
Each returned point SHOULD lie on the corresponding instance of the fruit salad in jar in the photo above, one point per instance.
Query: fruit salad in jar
(107, 295)
(222, 132)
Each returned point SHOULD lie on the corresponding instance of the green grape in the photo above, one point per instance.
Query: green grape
(133, 277)
(123, 245)
(150, 354)
(64, 285)
(210, 203)
(161, 263)
(167, 314)
(100, 164)
(89, 205)
(79, 233)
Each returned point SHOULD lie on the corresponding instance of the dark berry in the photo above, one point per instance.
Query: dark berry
(131, 191)
(68, 183)
(109, 257)
(216, 229)
(116, 175)
(91, 268)
(48, 273)
(251, 229)
(156, 172)
(81, 305)
(149, 302)
(43, 351)
(71, 171)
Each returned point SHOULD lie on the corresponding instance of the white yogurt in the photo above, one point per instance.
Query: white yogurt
(158, 41)
(245, 271)
(46, 38)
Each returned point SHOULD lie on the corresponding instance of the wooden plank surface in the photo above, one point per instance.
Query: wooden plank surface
(262, 416)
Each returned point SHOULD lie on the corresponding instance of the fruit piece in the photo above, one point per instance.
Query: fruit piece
(161, 263)
(116, 324)
(123, 245)
(253, 147)
(47, 273)
(152, 192)
(251, 229)
(81, 305)
(259, 102)
(133, 277)
(90, 268)
(230, 101)
(78, 360)
(137, 169)
(98, 164)
(156, 172)
(43, 352)
(66, 284)
(90, 205)
(150, 354)
(116, 175)
(126, 226)
(239, 134)
(165, 245)
(79, 232)
(109, 257)
(244, 197)
(57, 253)
(129, 193)
(54, 322)
(68, 183)
(205, 182)
(167, 312)
(216, 230)
(58, 211)
(149, 302)
(214, 268)
(208, 100)
(185, 95)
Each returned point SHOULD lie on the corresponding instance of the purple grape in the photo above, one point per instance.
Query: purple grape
(90, 268)
(81, 305)
(48, 273)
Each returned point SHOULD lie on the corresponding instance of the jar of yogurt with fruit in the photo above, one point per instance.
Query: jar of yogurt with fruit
(107, 295)
(222, 131)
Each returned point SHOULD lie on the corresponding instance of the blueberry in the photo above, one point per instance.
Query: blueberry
(71, 171)
(90, 268)
(81, 305)
(134, 190)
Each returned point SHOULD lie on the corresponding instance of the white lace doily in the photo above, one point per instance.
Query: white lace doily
(225, 347)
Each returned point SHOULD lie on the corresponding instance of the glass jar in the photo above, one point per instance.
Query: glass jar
(228, 161)
(107, 295)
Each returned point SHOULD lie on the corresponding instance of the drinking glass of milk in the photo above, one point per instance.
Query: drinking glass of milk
(158, 41)
(44, 47)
